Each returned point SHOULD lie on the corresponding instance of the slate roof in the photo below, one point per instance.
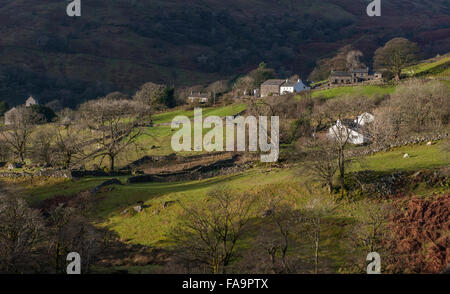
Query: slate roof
(31, 100)
(340, 74)
(11, 111)
(273, 82)
(200, 95)
(289, 84)
(360, 70)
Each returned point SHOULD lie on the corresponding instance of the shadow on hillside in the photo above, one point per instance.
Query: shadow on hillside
(112, 199)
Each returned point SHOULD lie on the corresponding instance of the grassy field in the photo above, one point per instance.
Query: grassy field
(156, 140)
(167, 117)
(367, 91)
(158, 221)
(159, 137)
(151, 226)
(421, 157)
(154, 224)
(438, 67)
(319, 83)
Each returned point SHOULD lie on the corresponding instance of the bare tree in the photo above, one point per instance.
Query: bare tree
(21, 229)
(115, 125)
(416, 106)
(5, 151)
(369, 231)
(218, 88)
(322, 161)
(341, 135)
(287, 222)
(209, 235)
(244, 85)
(155, 96)
(421, 106)
(336, 113)
(70, 141)
(17, 134)
(387, 126)
(346, 58)
(42, 144)
(70, 231)
(66, 117)
(315, 211)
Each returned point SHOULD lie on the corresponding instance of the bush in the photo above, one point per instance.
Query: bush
(48, 114)
(4, 107)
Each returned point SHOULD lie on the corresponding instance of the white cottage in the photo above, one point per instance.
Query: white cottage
(344, 132)
(365, 118)
(352, 130)
(293, 87)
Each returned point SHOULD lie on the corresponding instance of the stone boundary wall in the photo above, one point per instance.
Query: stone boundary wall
(327, 86)
(173, 158)
(57, 174)
(415, 140)
(220, 167)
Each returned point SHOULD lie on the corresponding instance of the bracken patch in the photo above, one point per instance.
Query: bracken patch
(420, 240)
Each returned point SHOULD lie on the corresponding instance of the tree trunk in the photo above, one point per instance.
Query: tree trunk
(22, 157)
(330, 187)
(316, 253)
(68, 160)
(111, 163)
(341, 172)
(283, 256)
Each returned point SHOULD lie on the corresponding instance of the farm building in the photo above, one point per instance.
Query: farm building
(31, 101)
(9, 115)
(280, 87)
(340, 77)
(353, 76)
(352, 130)
(199, 97)
(271, 87)
(293, 87)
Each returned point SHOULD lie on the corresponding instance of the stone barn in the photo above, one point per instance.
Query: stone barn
(271, 87)
(199, 97)
(341, 77)
(9, 116)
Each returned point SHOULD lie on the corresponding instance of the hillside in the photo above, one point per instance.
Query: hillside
(121, 45)
(393, 198)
